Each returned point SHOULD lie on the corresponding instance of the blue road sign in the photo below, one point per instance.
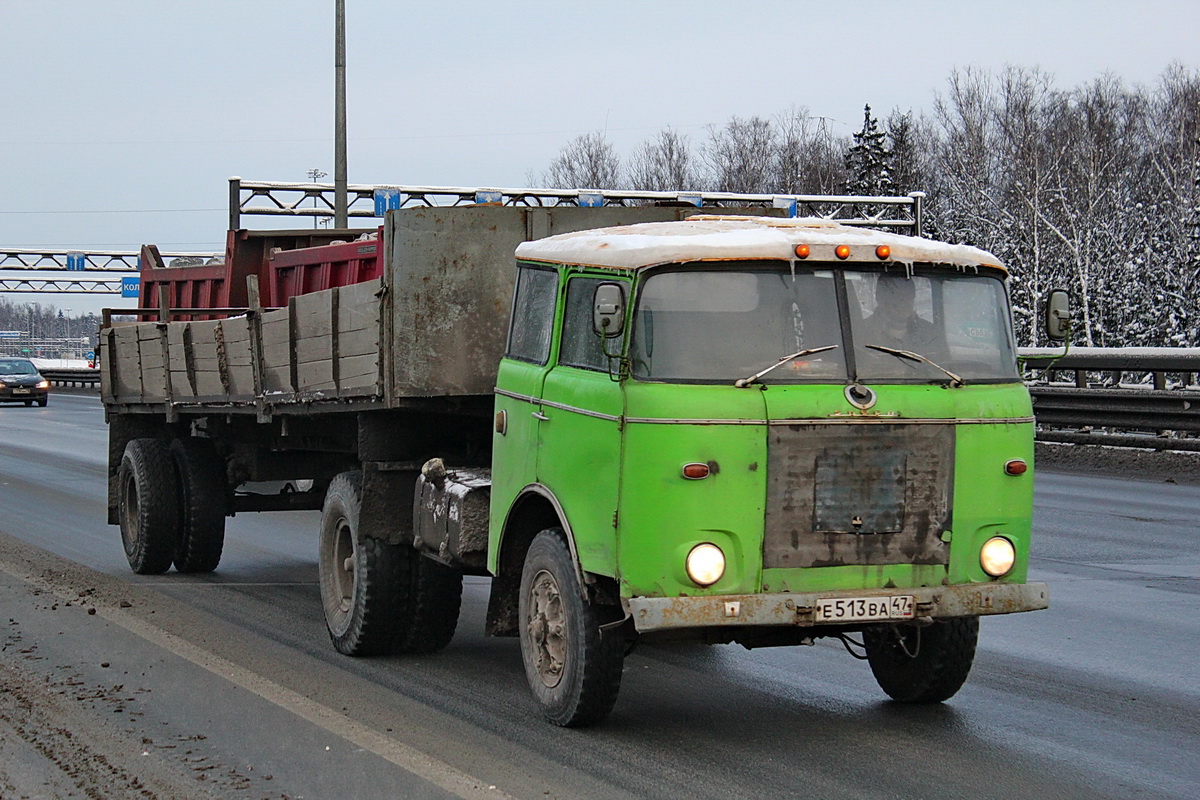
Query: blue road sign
(131, 287)
(386, 200)
(90, 355)
(76, 262)
(590, 199)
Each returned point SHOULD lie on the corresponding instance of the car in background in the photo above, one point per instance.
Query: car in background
(20, 381)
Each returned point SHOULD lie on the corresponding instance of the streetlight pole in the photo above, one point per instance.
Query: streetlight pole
(339, 123)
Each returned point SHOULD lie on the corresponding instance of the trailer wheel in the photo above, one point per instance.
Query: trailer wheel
(148, 506)
(360, 589)
(202, 501)
(922, 664)
(572, 668)
(433, 596)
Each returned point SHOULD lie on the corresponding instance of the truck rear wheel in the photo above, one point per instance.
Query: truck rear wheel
(433, 596)
(360, 590)
(202, 501)
(148, 506)
(572, 668)
(929, 664)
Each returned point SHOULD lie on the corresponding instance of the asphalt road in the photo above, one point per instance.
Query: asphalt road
(225, 685)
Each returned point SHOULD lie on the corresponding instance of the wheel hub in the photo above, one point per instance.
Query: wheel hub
(344, 564)
(546, 628)
(130, 508)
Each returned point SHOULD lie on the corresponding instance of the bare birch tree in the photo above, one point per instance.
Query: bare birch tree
(586, 162)
(740, 156)
(664, 163)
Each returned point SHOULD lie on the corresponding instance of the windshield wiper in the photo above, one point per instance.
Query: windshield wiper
(742, 383)
(955, 381)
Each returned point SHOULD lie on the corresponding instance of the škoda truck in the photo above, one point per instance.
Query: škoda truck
(656, 423)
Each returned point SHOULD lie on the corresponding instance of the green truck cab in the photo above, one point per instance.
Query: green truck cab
(762, 431)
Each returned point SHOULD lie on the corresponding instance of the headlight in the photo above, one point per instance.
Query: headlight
(43, 385)
(997, 556)
(705, 564)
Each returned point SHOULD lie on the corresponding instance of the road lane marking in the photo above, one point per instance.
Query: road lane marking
(421, 764)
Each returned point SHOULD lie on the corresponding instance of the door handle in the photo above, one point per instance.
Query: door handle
(540, 416)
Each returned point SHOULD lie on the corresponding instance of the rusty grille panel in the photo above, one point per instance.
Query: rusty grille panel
(858, 494)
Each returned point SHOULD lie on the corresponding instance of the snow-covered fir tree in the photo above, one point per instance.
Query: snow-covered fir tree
(868, 160)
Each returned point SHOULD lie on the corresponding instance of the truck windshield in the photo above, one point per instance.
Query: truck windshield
(957, 322)
(721, 325)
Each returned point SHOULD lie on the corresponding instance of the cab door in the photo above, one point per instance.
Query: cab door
(582, 405)
(522, 371)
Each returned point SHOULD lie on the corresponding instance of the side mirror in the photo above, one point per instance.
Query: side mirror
(608, 310)
(1058, 315)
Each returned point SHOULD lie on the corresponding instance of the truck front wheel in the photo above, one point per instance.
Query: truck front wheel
(148, 506)
(573, 669)
(922, 664)
(358, 575)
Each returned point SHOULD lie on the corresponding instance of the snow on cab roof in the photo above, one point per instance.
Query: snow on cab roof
(730, 238)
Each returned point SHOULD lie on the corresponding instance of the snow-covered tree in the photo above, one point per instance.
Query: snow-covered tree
(808, 158)
(868, 160)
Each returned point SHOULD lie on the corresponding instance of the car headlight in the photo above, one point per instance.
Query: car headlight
(43, 385)
(997, 556)
(705, 564)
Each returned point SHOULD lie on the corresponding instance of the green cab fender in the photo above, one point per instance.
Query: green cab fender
(534, 509)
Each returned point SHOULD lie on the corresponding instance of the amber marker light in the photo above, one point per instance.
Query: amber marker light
(695, 472)
(803, 251)
(1016, 467)
(882, 252)
(843, 251)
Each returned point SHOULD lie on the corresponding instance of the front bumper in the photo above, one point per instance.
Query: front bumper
(799, 609)
(15, 394)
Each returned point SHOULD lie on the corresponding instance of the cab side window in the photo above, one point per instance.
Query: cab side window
(581, 346)
(533, 316)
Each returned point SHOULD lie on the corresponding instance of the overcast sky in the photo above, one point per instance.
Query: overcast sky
(120, 122)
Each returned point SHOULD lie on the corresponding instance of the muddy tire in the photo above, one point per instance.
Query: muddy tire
(148, 506)
(202, 502)
(432, 597)
(360, 588)
(573, 670)
(922, 664)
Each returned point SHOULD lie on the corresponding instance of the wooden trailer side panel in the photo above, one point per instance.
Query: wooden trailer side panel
(324, 346)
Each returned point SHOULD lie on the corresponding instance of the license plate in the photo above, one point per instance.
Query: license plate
(22, 391)
(864, 609)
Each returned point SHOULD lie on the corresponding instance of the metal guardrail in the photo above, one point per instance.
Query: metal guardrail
(1130, 397)
(71, 376)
